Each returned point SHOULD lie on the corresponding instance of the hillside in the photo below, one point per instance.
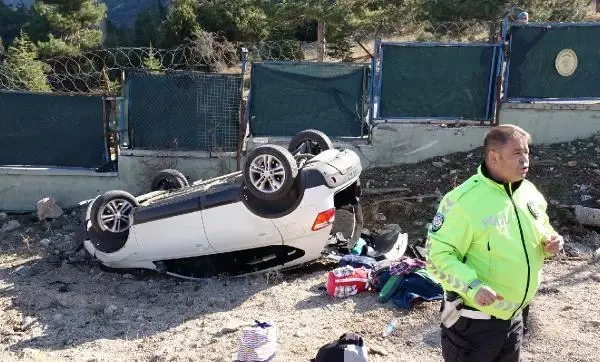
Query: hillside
(120, 12)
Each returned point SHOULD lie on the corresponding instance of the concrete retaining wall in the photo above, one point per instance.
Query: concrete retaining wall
(22, 187)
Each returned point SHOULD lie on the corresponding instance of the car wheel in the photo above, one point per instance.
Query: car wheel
(169, 180)
(270, 172)
(111, 214)
(310, 141)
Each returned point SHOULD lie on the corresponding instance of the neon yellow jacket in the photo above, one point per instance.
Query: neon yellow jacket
(491, 233)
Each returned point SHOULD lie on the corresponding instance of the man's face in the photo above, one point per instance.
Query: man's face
(511, 162)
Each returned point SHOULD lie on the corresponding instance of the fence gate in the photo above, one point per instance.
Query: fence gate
(554, 61)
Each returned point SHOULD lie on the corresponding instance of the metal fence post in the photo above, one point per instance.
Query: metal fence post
(373, 82)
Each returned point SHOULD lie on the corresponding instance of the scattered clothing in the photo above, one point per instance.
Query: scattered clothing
(405, 266)
(358, 261)
(406, 290)
(416, 287)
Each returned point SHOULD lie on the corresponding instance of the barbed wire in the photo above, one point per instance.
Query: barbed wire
(101, 71)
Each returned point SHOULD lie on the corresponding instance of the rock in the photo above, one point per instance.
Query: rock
(453, 172)
(596, 277)
(470, 155)
(587, 215)
(377, 349)
(47, 208)
(300, 334)
(10, 225)
(216, 301)
(437, 164)
(45, 242)
(231, 327)
(110, 310)
(57, 317)
(23, 271)
(585, 198)
(27, 323)
(380, 217)
(445, 160)
(554, 203)
(3, 217)
(594, 324)
(572, 163)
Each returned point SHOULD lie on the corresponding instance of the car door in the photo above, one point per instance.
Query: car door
(171, 229)
(230, 226)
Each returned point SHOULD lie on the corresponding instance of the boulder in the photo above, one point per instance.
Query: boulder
(47, 208)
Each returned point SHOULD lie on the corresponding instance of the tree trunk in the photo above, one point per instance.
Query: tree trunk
(320, 40)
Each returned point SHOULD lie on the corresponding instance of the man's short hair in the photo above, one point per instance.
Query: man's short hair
(500, 135)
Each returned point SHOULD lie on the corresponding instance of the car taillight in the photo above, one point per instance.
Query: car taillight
(324, 219)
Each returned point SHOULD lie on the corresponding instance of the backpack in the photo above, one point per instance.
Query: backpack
(257, 343)
(350, 347)
(346, 281)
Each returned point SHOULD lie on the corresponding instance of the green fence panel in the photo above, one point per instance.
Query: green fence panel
(183, 110)
(532, 71)
(437, 80)
(287, 97)
(51, 130)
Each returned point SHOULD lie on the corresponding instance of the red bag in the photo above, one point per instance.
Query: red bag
(346, 281)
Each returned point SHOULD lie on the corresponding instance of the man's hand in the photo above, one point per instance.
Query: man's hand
(553, 244)
(487, 296)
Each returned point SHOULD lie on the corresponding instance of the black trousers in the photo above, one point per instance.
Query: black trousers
(483, 340)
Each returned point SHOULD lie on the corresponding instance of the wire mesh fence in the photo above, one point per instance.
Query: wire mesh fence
(180, 110)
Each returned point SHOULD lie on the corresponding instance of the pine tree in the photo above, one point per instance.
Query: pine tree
(151, 62)
(23, 70)
(66, 27)
(180, 23)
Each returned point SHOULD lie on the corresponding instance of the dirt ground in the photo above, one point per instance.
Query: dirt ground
(59, 305)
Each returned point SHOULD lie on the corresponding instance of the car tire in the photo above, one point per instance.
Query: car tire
(110, 207)
(169, 180)
(279, 183)
(310, 141)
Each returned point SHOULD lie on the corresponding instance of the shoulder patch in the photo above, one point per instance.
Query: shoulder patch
(533, 209)
(437, 222)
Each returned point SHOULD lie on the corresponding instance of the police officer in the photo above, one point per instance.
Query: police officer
(486, 246)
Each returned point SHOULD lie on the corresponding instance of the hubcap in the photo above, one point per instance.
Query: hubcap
(115, 215)
(267, 173)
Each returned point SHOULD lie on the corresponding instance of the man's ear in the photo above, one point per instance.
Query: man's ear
(492, 157)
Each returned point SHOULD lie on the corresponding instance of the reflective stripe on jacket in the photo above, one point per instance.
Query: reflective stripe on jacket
(493, 233)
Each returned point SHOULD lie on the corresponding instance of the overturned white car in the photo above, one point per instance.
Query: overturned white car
(280, 211)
